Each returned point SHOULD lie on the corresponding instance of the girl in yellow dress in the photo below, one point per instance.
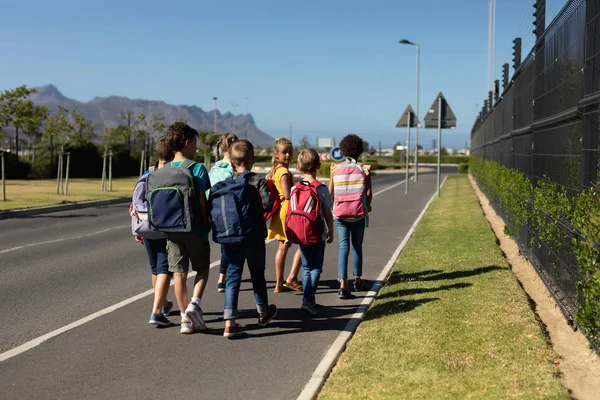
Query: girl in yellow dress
(283, 180)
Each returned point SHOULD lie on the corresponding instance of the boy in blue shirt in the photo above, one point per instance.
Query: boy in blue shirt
(193, 247)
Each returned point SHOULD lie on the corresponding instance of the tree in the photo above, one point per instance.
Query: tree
(145, 129)
(35, 117)
(13, 110)
(304, 143)
(127, 116)
(208, 140)
(111, 138)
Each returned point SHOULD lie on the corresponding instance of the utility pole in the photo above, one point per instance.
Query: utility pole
(215, 116)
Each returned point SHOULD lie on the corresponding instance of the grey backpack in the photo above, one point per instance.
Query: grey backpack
(173, 204)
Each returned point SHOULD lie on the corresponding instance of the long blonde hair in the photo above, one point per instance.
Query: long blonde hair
(279, 142)
(225, 142)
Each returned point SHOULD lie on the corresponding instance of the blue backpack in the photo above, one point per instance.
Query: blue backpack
(173, 204)
(236, 211)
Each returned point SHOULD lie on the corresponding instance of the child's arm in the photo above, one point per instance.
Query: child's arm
(369, 192)
(330, 184)
(329, 222)
(203, 209)
(286, 186)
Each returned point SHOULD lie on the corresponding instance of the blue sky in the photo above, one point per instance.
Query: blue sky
(327, 66)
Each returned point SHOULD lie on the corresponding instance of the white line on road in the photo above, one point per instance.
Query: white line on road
(64, 239)
(39, 340)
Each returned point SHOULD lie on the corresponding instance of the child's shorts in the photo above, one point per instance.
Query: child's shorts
(184, 248)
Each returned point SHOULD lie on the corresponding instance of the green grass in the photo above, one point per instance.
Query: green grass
(37, 193)
(452, 322)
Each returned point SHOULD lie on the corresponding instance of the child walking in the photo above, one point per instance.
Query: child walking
(222, 170)
(186, 247)
(242, 231)
(154, 242)
(350, 187)
(310, 224)
(283, 180)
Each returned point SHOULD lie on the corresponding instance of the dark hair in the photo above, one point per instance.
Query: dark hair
(352, 146)
(242, 152)
(178, 133)
(225, 142)
(163, 151)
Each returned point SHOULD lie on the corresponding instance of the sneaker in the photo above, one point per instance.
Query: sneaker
(359, 284)
(271, 313)
(221, 287)
(344, 294)
(309, 309)
(233, 331)
(167, 309)
(159, 319)
(186, 325)
(194, 313)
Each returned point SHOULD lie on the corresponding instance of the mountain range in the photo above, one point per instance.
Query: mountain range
(105, 112)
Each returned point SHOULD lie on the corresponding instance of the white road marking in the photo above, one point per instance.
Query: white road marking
(41, 339)
(63, 239)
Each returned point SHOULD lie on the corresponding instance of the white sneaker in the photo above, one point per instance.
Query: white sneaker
(186, 325)
(194, 313)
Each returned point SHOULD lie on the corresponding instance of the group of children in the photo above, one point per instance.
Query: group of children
(178, 203)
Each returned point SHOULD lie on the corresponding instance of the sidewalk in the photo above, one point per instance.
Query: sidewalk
(452, 321)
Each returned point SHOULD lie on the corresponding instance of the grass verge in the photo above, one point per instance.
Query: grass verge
(452, 321)
(38, 193)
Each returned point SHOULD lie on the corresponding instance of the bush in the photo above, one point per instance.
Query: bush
(444, 159)
(463, 168)
(15, 169)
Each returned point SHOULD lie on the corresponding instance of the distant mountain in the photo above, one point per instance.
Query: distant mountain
(105, 113)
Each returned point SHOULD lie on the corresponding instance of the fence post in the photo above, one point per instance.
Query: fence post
(67, 177)
(3, 178)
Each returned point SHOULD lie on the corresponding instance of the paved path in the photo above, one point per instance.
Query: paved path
(59, 268)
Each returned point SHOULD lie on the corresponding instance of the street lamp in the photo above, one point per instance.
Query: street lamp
(215, 126)
(404, 41)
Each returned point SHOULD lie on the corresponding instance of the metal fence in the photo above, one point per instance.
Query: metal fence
(546, 125)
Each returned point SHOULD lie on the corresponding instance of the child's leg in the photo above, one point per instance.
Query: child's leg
(296, 264)
(256, 257)
(179, 263)
(312, 265)
(282, 250)
(235, 255)
(343, 236)
(223, 266)
(357, 230)
(199, 250)
(162, 277)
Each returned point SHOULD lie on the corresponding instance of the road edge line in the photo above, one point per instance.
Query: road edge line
(321, 373)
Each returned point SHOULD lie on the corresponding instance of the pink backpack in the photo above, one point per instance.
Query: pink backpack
(303, 221)
(349, 183)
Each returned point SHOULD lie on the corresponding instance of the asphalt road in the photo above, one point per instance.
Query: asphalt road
(58, 268)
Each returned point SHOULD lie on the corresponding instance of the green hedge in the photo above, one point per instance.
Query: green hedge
(545, 204)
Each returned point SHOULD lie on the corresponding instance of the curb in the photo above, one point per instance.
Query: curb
(313, 387)
(61, 207)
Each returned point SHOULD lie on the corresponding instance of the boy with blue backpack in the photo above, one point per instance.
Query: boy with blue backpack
(154, 242)
(309, 223)
(177, 206)
(237, 205)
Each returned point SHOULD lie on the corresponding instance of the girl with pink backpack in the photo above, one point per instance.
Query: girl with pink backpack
(350, 188)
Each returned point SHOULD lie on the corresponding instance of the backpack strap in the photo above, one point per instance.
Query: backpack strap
(247, 175)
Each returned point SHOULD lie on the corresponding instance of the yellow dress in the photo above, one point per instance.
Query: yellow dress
(277, 227)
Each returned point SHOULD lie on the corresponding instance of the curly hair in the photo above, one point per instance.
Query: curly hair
(352, 146)
(178, 133)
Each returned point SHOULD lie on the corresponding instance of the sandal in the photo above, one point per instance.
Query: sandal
(294, 286)
(283, 289)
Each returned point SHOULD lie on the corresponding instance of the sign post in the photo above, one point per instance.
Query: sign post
(410, 120)
(440, 117)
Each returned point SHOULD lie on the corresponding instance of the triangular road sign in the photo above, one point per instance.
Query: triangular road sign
(408, 115)
(432, 117)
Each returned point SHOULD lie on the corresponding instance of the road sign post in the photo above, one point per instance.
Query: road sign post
(408, 119)
(336, 154)
(440, 117)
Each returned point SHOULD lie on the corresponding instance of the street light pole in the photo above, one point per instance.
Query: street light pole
(418, 46)
(215, 125)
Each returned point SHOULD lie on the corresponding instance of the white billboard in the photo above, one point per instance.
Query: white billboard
(325, 142)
